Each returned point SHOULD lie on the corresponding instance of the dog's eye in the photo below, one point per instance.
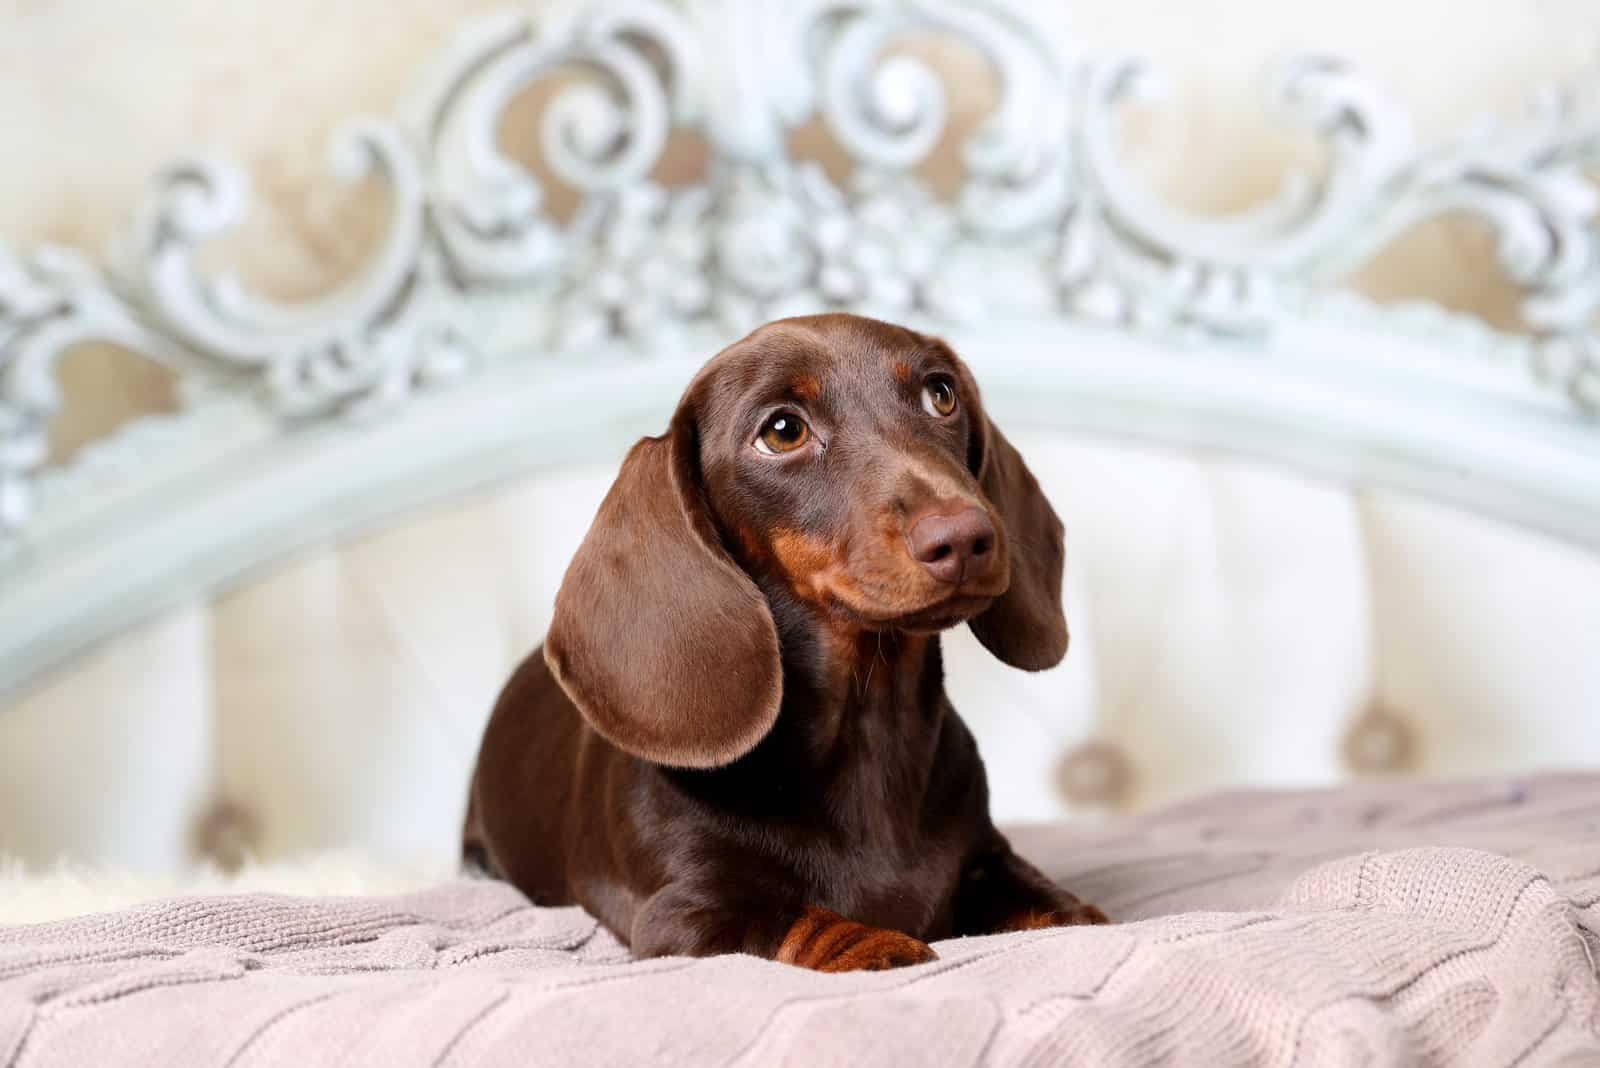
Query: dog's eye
(784, 432)
(939, 396)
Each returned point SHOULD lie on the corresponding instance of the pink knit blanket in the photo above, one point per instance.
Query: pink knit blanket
(1444, 924)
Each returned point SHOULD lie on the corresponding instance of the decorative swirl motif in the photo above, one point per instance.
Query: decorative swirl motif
(319, 354)
(1049, 218)
(49, 303)
(1558, 263)
(889, 111)
(890, 117)
(602, 135)
(1533, 184)
(1125, 256)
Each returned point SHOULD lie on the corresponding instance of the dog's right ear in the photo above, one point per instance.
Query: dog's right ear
(660, 639)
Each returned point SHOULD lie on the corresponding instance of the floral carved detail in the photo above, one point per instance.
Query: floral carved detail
(1049, 219)
(756, 246)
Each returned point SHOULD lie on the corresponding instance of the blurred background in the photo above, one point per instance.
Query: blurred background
(334, 701)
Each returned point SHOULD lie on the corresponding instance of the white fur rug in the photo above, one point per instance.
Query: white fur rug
(36, 896)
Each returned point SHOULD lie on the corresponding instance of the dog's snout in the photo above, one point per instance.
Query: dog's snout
(955, 547)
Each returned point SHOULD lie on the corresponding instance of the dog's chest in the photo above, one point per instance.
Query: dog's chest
(901, 889)
(903, 816)
(889, 867)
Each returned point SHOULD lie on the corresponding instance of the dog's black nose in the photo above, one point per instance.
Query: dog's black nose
(954, 548)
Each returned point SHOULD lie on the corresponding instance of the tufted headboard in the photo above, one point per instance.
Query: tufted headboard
(1310, 535)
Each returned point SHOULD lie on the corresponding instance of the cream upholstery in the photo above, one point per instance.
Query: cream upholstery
(1229, 623)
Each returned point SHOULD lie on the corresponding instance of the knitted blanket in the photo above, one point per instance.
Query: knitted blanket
(1443, 924)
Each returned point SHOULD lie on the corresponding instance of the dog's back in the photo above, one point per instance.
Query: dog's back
(522, 786)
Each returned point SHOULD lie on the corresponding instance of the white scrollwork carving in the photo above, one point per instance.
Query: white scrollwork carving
(766, 244)
(1125, 256)
(50, 302)
(1559, 265)
(357, 348)
(1045, 188)
(601, 134)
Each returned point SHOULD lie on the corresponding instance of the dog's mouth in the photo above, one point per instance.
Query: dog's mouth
(944, 615)
(950, 611)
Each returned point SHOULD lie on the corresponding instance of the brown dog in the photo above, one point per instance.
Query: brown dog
(736, 737)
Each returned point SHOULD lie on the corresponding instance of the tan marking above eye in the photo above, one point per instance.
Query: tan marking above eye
(781, 433)
(806, 387)
(939, 396)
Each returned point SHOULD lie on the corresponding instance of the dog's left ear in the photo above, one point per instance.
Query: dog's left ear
(663, 644)
(1025, 627)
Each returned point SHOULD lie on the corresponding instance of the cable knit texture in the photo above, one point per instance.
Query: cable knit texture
(1443, 924)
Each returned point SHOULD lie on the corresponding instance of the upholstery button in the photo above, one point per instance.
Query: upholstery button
(1095, 773)
(1379, 742)
(227, 835)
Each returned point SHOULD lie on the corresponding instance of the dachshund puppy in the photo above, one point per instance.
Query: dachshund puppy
(735, 738)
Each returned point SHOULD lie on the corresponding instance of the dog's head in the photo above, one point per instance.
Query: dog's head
(845, 460)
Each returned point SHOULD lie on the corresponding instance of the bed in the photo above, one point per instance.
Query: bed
(1342, 551)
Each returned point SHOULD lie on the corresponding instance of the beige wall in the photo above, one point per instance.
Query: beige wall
(96, 95)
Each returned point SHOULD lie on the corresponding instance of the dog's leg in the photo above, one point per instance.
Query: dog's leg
(679, 920)
(1002, 892)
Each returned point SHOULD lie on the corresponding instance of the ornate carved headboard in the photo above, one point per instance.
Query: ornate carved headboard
(489, 337)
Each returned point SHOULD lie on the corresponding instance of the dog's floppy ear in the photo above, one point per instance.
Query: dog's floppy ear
(1025, 627)
(660, 639)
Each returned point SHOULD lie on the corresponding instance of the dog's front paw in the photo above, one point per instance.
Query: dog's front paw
(1079, 915)
(827, 942)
